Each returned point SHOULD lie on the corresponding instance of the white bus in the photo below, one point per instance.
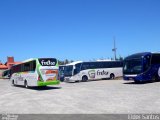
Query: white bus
(35, 72)
(6, 74)
(84, 71)
(61, 72)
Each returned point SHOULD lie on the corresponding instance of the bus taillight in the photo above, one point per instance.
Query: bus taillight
(39, 78)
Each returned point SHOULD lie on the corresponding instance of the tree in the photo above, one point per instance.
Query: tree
(66, 61)
(120, 58)
(71, 61)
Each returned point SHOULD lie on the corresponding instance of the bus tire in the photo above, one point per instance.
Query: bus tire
(137, 82)
(13, 83)
(154, 78)
(84, 78)
(112, 76)
(26, 84)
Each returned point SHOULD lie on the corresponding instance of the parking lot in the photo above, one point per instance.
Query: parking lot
(104, 96)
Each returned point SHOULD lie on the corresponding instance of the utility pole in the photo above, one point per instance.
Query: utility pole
(114, 49)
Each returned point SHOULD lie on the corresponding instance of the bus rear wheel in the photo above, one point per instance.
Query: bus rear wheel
(112, 76)
(26, 84)
(84, 79)
(13, 83)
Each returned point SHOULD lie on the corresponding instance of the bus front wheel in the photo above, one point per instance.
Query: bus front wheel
(137, 82)
(84, 78)
(154, 78)
(112, 76)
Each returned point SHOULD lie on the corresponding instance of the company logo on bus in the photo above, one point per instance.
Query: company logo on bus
(102, 72)
(48, 62)
(93, 73)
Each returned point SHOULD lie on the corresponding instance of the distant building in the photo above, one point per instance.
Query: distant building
(2, 68)
(10, 62)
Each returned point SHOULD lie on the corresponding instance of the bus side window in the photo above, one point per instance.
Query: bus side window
(33, 66)
(85, 66)
(121, 64)
(26, 65)
(92, 65)
(146, 62)
(77, 69)
(155, 59)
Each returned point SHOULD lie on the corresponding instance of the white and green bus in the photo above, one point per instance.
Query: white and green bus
(35, 72)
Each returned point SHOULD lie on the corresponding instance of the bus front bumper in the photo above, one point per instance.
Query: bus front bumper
(54, 82)
(132, 78)
(138, 78)
(69, 79)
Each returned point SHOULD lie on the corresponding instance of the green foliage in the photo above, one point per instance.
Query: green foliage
(64, 62)
(119, 58)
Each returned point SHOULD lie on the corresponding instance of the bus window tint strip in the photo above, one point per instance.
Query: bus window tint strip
(94, 65)
(29, 66)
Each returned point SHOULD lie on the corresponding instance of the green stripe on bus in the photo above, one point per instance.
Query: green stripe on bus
(54, 82)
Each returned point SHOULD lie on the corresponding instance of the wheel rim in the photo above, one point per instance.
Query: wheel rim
(26, 85)
(12, 82)
(84, 79)
(154, 79)
(112, 76)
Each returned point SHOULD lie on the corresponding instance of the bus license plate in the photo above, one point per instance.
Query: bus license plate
(131, 79)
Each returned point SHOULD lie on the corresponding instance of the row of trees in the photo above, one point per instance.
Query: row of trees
(66, 61)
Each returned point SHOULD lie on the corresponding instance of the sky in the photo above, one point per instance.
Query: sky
(78, 29)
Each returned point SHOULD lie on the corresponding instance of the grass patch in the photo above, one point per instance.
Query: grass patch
(1, 78)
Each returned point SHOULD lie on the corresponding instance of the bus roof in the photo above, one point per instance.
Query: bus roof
(28, 60)
(155, 52)
(73, 63)
(104, 60)
(138, 55)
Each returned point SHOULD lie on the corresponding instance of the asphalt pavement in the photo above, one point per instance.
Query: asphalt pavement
(94, 97)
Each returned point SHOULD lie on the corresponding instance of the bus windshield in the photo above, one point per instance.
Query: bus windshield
(77, 68)
(68, 70)
(133, 66)
(61, 70)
